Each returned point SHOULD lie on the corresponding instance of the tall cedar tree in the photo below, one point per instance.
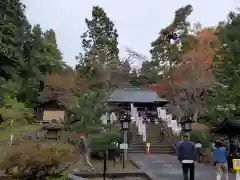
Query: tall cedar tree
(41, 57)
(167, 55)
(99, 43)
(162, 50)
(96, 64)
(14, 28)
(36, 52)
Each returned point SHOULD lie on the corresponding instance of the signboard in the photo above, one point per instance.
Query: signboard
(236, 164)
(236, 167)
(123, 146)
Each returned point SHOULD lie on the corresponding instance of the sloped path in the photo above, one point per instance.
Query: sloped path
(166, 167)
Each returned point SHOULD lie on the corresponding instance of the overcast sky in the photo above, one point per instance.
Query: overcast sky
(137, 21)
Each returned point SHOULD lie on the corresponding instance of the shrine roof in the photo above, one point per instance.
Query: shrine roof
(135, 94)
(4, 60)
(228, 127)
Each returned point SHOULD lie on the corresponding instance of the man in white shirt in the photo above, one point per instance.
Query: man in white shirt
(186, 151)
(198, 146)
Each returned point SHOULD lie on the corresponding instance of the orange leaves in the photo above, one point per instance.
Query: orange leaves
(204, 50)
(195, 67)
(59, 86)
(45, 155)
(65, 80)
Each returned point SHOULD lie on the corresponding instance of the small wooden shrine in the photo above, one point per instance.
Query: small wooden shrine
(53, 131)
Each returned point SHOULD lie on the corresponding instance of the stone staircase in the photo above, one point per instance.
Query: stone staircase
(136, 144)
(159, 142)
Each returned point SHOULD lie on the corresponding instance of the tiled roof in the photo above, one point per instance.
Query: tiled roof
(4, 60)
(133, 94)
(228, 127)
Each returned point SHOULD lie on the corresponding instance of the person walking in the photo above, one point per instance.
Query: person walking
(212, 147)
(199, 151)
(86, 151)
(220, 157)
(232, 153)
(187, 155)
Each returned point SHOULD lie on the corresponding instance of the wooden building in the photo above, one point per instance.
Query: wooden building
(120, 99)
(142, 98)
(51, 110)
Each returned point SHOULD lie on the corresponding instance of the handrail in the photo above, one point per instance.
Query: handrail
(168, 134)
(139, 122)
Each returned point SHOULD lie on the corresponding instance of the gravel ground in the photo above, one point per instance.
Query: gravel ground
(124, 178)
(98, 165)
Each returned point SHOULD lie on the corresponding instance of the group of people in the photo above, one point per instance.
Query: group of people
(222, 154)
(232, 148)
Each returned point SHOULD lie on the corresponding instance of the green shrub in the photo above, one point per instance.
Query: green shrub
(104, 140)
(203, 136)
(15, 110)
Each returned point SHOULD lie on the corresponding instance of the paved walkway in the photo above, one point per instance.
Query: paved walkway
(166, 167)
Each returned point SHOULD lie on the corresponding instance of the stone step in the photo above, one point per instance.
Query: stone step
(153, 133)
(152, 151)
(137, 139)
(159, 141)
(167, 149)
(155, 138)
(138, 144)
(161, 145)
(152, 143)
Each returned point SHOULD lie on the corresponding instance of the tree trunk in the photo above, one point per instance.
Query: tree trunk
(195, 115)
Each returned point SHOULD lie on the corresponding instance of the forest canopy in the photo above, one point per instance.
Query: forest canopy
(184, 63)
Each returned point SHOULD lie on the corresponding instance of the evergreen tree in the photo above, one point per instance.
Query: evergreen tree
(163, 51)
(53, 55)
(36, 52)
(13, 28)
(99, 42)
(226, 94)
(149, 73)
(101, 35)
(98, 62)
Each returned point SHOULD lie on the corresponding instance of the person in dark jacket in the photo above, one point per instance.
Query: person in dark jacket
(187, 155)
(233, 151)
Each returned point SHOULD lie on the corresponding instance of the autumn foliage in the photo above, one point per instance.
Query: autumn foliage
(60, 86)
(29, 160)
(195, 67)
